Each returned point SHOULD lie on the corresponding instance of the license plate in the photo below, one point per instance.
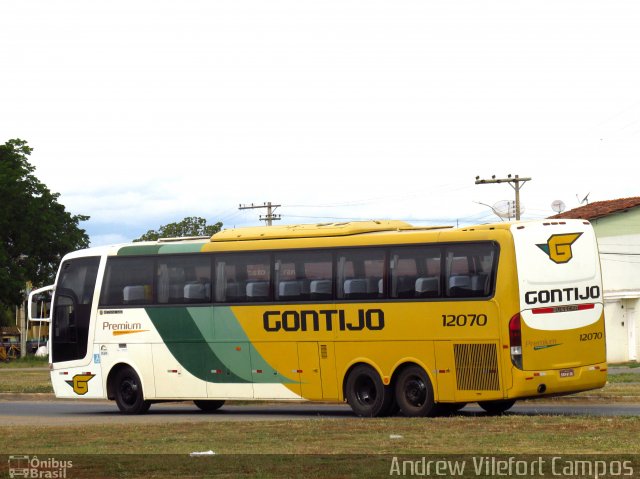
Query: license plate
(566, 373)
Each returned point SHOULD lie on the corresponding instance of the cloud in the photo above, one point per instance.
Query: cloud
(142, 114)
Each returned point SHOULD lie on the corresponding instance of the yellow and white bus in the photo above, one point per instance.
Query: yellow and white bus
(383, 315)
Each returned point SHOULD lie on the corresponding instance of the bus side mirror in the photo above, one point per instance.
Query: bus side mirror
(40, 304)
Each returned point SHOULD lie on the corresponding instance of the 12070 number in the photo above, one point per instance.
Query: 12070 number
(452, 320)
(590, 336)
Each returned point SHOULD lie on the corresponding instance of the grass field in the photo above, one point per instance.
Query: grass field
(25, 380)
(340, 448)
(27, 362)
(508, 434)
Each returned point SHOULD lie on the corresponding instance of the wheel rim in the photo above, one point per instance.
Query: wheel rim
(415, 391)
(365, 391)
(129, 391)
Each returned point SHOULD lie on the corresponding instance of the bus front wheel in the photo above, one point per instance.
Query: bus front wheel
(128, 392)
(414, 393)
(497, 407)
(366, 394)
(208, 405)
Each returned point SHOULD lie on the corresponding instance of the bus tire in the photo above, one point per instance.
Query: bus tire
(128, 392)
(366, 394)
(414, 392)
(208, 405)
(497, 407)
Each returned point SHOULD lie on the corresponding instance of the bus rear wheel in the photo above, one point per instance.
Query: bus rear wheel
(414, 392)
(497, 407)
(129, 395)
(366, 394)
(208, 405)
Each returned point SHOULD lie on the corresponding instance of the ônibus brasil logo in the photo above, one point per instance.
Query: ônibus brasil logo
(558, 247)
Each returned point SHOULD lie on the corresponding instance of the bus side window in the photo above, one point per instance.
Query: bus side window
(320, 289)
(257, 290)
(360, 273)
(303, 276)
(415, 272)
(459, 286)
(427, 287)
(243, 277)
(196, 292)
(480, 284)
(289, 290)
(470, 269)
(134, 294)
(356, 288)
(128, 281)
(184, 279)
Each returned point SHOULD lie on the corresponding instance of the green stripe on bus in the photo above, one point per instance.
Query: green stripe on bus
(160, 249)
(181, 248)
(138, 250)
(210, 344)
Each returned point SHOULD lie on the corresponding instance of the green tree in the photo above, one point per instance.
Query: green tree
(190, 226)
(35, 230)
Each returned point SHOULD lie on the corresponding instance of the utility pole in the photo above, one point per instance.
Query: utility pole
(513, 183)
(269, 217)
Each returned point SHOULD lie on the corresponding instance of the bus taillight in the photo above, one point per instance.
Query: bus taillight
(515, 340)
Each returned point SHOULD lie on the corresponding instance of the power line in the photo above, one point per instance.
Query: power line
(516, 186)
(269, 217)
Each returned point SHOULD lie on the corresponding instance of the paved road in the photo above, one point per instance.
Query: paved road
(60, 412)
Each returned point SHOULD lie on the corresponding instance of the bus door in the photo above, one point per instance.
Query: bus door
(73, 301)
(311, 377)
(71, 318)
(294, 365)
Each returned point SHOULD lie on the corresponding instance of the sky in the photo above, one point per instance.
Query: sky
(143, 112)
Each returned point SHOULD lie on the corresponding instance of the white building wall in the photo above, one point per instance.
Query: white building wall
(619, 243)
(620, 259)
(616, 329)
(633, 319)
(622, 318)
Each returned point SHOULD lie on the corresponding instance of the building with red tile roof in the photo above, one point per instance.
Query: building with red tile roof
(600, 209)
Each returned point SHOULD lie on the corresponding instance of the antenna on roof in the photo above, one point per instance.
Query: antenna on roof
(558, 206)
(507, 209)
(583, 200)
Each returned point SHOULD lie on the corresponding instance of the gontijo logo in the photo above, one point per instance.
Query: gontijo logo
(558, 247)
(80, 383)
